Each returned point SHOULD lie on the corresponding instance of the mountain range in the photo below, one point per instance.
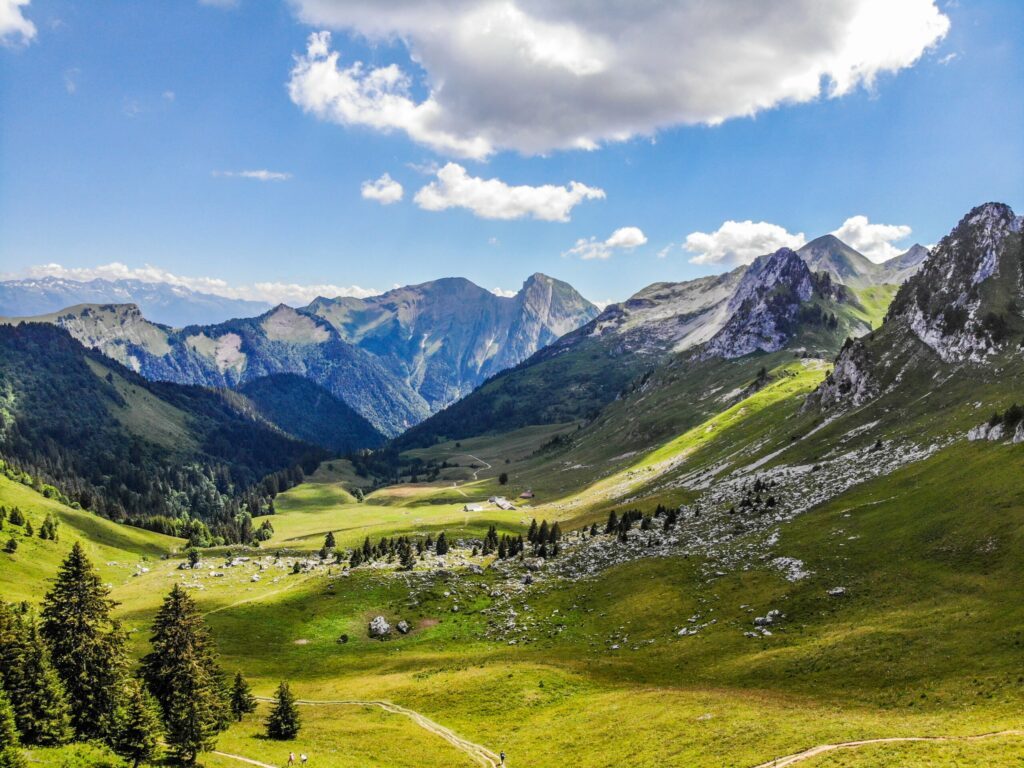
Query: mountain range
(394, 358)
(164, 303)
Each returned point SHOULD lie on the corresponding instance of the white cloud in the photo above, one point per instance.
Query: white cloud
(14, 27)
(739, 242)
(270, 292)
(504, 293)
(949, 58)
(873, 240)
(258, 175)
(534, 76)
(384, 190)
(494, 199)
(168, 96)
(664, 252)
(623, 238)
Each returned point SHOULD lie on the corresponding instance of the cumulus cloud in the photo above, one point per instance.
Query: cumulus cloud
(739, 242)
(258, 175)
(534, 76)
(503, 292)
(876, 241)
(14, 27)
(623, 238)
(270, 292)
(494, 199)
(384, 190)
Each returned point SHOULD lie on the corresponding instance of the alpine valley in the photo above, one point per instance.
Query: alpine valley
(763, 518)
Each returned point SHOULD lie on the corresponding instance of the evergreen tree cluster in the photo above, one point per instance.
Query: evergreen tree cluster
(64, 675)
(1009, 419)
(403, 549)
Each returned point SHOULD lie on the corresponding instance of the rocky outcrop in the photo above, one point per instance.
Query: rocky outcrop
(944, 304)
(851, 382)
(763, 310)
(379, 628)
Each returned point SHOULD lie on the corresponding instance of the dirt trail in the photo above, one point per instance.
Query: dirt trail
(807, 754)
(245, 760)
(476, 752)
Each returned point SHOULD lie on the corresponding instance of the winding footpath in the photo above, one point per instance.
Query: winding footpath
(807, 754)
(478, 753)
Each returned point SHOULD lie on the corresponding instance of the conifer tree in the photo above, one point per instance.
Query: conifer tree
(283, 723)
(136, 730)
(183, 675)
(613, 522)
(17, 517)
(531, 535)
(356, 559)
(86, 645)
(242, 700)
(10, 753)
(406, 558)
(367, 549)
(29, 530)
(441, 548)
(329, 542)
(543, 533)
(40, 706)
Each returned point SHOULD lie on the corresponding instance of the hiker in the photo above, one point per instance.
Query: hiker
(291, 758)
(502, 756)
(303, 758)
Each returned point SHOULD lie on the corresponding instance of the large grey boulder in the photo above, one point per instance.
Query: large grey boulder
(379, 627)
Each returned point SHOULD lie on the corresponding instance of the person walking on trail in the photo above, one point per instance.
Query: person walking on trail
(502, 756)
(291, 758)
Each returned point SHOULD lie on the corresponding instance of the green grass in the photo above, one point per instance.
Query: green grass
(117, 550)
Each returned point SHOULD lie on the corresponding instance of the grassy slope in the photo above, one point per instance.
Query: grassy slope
(115, 549)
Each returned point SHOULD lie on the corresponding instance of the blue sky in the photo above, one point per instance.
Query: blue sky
(124, 128)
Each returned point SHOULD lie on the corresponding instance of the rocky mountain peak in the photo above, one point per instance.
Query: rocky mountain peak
(953, 303)
(765, 306)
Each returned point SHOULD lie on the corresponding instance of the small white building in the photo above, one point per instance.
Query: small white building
(473, 508)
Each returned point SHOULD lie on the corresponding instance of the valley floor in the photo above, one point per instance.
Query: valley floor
(644, 654)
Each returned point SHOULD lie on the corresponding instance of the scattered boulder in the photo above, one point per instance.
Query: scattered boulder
(379, 627)
(403, 626)
(342, 639)
(837, 592)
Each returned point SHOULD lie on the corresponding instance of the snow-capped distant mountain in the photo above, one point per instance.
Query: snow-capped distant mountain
(173, 305)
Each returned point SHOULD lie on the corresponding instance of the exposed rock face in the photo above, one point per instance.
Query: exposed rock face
(850, 384)
(445, 337)
(944, 303)
(379, 628)
(764, 308)
(668, 317)
(904, 266)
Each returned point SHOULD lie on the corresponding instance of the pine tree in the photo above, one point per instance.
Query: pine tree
(40, 705)
(329, 542)
(17, 517)
(86, 645)
(11, 546)
(556, 534)
(531, 535)
(441, 548)
(406, 558)
(10, 753)
(283, 723)
(183, 675)
(613, 522)
(367, 549)
(29, 530)
(356, 559)
(242, 700)
(136, 730)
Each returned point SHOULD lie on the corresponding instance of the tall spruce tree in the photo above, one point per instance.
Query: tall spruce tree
(136, 729)
(441, 548)
(183, 674)
(40, 706)
(283, 723)
(11, 755)
(242, 700)
(86, 645)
